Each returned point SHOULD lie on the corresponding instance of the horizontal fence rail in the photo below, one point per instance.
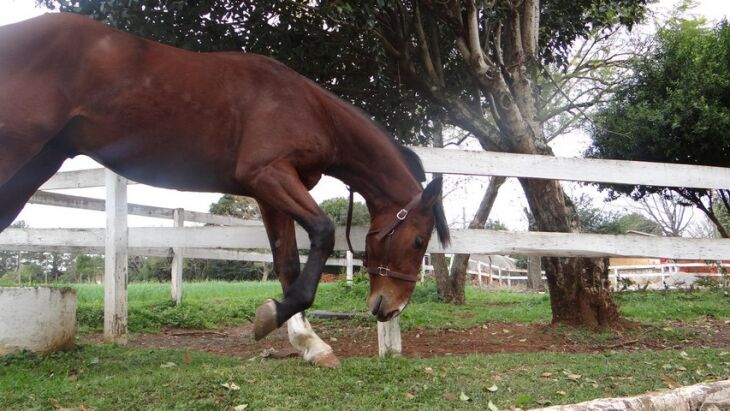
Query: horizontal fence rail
(94, 177)
(463, 241)
(489, 163)
(95, 204)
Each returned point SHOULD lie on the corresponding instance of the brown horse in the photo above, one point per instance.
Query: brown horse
(219, 122)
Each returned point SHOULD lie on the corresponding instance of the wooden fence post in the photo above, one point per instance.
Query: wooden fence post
(389, 341)
(115, 260)
(176, 268)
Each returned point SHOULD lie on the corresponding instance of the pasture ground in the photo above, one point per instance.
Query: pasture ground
(498, 348)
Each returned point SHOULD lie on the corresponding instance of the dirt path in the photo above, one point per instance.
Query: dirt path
(359, 341)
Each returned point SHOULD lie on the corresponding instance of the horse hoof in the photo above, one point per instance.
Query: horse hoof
(328, 360)
(265, 321)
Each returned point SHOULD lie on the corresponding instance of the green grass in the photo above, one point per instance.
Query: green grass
(215, 304)
(674, 305)
(112, 377)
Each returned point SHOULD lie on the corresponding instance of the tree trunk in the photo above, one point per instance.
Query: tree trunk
(461, 261)
(534, 273)
(451, 283)
(443, 280)
(580, 292)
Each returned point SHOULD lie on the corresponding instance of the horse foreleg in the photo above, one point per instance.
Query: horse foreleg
(279, 185)
(280, 229)
(16, 191)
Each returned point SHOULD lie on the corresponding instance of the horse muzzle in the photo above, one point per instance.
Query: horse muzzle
(383, 311)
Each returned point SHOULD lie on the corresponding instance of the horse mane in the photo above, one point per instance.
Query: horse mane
(416, 166)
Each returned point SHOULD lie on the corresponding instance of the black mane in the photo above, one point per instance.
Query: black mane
(416, 166)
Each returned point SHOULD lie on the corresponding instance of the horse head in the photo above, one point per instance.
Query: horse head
(395, 245)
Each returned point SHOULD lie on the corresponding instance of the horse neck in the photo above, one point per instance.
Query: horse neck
(371, 164)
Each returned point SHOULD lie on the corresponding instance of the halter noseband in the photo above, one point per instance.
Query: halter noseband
(384, 233)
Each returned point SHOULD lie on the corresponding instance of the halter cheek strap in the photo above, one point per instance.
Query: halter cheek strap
(384, 233)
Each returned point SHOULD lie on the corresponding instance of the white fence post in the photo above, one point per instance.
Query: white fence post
(479, 270)
(176, 268)
(115, 260)
(389, 341)
(348, 258)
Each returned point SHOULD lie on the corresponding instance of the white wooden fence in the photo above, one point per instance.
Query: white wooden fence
(220, 241)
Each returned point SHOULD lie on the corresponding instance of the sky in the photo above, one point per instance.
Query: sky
(460, 203)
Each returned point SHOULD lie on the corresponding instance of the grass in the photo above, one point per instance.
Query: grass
(113, 377)
(216, 304)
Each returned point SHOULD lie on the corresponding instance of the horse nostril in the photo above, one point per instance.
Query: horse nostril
(376, 307)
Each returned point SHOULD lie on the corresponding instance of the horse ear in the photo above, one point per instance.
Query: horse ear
(432, 192)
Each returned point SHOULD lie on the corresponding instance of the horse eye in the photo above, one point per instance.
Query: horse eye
(418, 243)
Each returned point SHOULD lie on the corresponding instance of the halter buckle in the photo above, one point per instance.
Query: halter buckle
(383, 271)
(402, 214)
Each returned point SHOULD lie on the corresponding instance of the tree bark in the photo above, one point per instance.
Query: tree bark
(534, 273)
(580, 292)
(461, 261)
(451, 283)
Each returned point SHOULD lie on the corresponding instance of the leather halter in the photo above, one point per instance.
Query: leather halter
(384, 233)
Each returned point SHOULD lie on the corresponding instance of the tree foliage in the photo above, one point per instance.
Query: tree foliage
(676, 109)
(336, 209)
(598, 221)
(236, 206)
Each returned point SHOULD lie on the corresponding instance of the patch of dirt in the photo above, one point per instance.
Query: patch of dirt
(349, 340)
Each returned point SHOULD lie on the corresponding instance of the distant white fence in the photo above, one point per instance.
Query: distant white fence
(224, 241)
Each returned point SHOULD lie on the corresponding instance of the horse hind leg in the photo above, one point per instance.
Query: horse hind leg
(16, 190)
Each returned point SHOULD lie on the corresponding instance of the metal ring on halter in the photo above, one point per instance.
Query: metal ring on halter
(402, 214)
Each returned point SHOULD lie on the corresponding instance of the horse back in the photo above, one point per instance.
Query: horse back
(157, 114)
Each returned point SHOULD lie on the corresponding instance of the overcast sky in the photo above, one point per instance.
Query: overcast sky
(461, 202)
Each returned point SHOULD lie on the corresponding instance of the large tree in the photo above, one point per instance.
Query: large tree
(675, 109)
(471, 65)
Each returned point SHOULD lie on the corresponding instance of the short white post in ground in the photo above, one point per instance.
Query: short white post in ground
(389, 337)
(178, 221)
(509, 278)
(348, 258)
(499, 274)
(115, 260)
(616, 278)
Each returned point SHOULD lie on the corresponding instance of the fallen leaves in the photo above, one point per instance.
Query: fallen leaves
(670, 382)
(574, 377)
(493, 388)
(231, 386)
(168, 365)
(187, 358)
(240, 407)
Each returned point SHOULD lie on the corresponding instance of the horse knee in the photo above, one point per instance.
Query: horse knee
(322, 234)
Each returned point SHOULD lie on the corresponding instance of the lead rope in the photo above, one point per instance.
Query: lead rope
(349, 221)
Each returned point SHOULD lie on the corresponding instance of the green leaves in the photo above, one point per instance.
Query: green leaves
(676, 109)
